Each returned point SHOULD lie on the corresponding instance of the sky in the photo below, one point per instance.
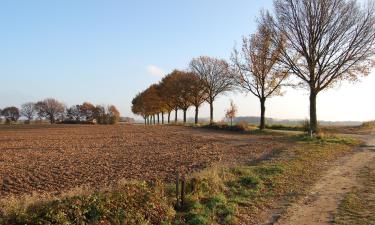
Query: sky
(107, 51)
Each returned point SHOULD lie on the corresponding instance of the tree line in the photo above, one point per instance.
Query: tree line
(56, 112)
(310, 44)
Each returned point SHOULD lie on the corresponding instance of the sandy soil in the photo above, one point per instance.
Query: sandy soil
(322, 202)
(42, 158)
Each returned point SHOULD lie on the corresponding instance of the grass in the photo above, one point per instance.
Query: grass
(358, 206)
(218, 195)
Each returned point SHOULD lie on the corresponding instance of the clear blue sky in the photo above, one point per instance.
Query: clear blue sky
(107, 51)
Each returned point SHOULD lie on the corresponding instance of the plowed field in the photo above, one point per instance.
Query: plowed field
(44, 158)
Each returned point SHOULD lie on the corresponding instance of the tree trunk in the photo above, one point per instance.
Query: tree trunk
(313, 116)
(185, 115)
(196, 114)
(153, 118)
(262, 113)
(158, 119)
(145, 121)
(211, 110)
(231, 121)
(162, 118)
(169, 116)
(175, 116)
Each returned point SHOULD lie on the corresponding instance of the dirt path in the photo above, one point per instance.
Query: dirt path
(321, 204)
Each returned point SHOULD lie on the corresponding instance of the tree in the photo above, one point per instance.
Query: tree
(99, 114)
(257, 67)
(139, 107)
(28, 110)
(74, 113)
(87, 111)
(170, 93)
(113, 114)
(184, 83)
(11, 114)
(327, 41)
(50, 109)
(215, 76)
(231, 112)
(106, 114)
(198, 94)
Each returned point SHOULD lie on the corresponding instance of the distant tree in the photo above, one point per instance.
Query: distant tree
(87, 111)
(327, 41)
(11, 114)
(1, 117)
(153, 101)
(50, 109)
(113, 114)
(231, 112)
(99, 114)
(28, 110)
(106, 114)
(215, 76)
(139, 107)
(257, 67)
(74, 113)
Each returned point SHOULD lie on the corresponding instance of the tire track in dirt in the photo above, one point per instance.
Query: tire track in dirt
(319, 206)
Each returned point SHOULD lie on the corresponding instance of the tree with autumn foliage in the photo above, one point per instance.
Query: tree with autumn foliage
(199, 93)
(231, 112)
(257, 69)
(170, 91)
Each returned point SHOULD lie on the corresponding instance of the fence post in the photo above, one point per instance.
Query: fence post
(177, 188)
(183, 183)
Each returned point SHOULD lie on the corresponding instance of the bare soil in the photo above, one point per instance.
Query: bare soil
(51, 159)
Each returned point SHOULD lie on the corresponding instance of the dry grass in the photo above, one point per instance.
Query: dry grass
(358, 207)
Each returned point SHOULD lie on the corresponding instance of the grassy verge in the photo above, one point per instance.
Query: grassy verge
(358, 207)
(217, 195)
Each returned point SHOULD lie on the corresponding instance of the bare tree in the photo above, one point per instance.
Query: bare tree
(50, 108)
(215, 76)
(257, 67)
(28, 110)
(11, 114)
(231, 112)
(74, 113)
(327, 41)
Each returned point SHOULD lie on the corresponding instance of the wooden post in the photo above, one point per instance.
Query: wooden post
(177, 188)
(183, 183)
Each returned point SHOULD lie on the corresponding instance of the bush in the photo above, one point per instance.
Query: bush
(241, 126)
(369, 124)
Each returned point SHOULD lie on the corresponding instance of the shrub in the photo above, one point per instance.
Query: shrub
(242, 125)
